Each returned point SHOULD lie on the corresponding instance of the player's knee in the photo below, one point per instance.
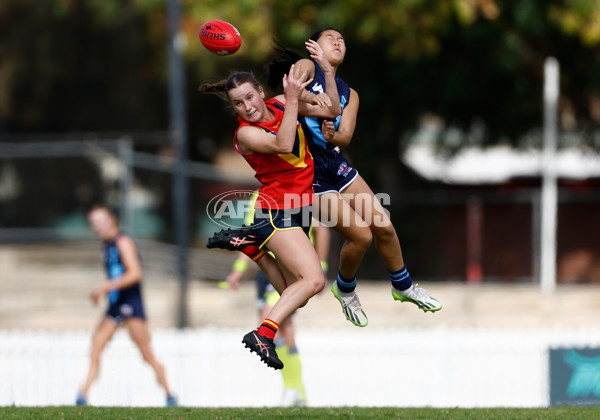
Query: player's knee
(95, 353)
(362, 238)
(148, 357)
(96, 348)
(385, 232)
(318, 284)
(314, 284)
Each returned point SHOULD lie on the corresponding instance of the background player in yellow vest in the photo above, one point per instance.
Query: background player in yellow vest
(267, 296)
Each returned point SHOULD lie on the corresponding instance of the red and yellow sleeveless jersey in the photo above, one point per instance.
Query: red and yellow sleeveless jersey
(286, 178)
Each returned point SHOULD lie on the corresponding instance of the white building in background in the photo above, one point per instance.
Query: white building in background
(493, 165)
(471, 165)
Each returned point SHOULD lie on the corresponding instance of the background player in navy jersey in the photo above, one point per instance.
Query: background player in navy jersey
(342, 194)
(123, 292)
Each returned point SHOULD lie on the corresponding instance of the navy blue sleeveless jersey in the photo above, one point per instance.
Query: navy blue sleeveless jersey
(313, 125)
(332, 171)
(123, 303)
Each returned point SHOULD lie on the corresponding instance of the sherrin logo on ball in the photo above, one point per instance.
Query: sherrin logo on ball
(220, 37)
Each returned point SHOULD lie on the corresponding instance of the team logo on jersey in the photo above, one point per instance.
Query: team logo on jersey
(126, 310)
(317, 88)
(344, 169)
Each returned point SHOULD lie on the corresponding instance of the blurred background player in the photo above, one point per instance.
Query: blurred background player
(267, 296)
(342, 195)
(123, 291)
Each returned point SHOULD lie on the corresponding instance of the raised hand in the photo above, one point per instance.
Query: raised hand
(317, 54)
(322, 100)
(294, 82)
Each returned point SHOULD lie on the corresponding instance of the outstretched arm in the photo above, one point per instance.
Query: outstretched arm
(345, 131)
(316, 53)
(253, 139)
(330, 99)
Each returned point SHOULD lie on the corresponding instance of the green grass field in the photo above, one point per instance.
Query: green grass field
(359, 413)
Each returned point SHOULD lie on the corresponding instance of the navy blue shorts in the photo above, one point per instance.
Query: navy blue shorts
(333, 172)
(267, 221)
(123, 309)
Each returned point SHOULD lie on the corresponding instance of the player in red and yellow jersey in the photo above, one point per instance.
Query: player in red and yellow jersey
(284, 177)
(271, 140)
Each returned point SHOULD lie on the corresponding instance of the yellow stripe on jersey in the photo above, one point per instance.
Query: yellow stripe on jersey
(292, 159)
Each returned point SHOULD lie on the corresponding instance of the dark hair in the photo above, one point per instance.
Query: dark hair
(280, 66)
(315, 36)
(234, 80)
(222, 87)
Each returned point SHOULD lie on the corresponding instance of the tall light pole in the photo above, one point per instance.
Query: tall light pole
(179, 133)
(549, 187)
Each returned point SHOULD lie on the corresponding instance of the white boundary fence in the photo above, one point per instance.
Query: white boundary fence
(440, 367)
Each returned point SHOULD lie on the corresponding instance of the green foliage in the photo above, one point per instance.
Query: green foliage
(463, 60)
(80, 65)
(578, 18)
(76, 65)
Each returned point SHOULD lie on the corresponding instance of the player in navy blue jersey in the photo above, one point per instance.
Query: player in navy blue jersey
(344, 201)
(122, 290)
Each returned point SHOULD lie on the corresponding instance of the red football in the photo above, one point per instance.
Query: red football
(220, 37)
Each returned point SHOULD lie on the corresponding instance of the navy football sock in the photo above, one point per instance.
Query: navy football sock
(400, 279)
(346, 285)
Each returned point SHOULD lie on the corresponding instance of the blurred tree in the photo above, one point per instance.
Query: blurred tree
(101, 64)
(72, 66)
(470, 62)
(76, 66)
(81, 65)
